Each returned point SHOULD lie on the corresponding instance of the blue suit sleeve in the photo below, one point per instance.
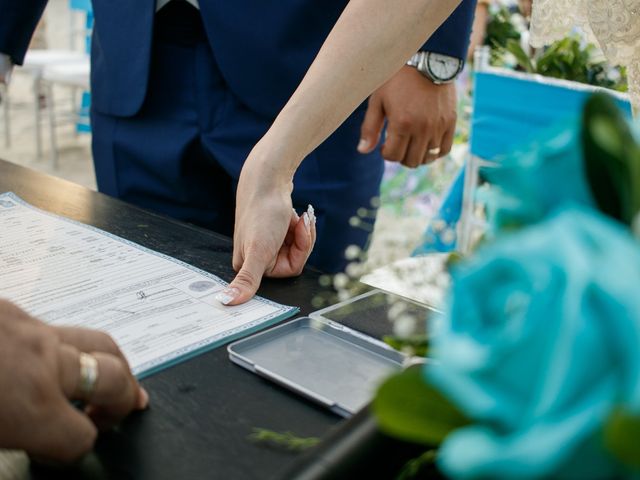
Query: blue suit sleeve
(452, 38)
(18, 21)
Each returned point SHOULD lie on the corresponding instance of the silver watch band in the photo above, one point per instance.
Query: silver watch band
(417, 59)
(420, 61)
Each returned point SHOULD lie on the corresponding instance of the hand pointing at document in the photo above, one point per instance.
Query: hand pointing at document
(272, 240)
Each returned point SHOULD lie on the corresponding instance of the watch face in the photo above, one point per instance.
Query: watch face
(443, 67)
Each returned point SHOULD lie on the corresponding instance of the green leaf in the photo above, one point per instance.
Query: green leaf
(417, 345)
(283, 440)
(605, 135)
(612, 159)
(621, 437)
(521, 56)
(408, 408)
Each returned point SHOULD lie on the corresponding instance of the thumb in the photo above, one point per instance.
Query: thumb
(246, 283)
(371, 126)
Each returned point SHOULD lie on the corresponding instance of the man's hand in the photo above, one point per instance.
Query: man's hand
(421, 119)
(40, 376)
(270, 239)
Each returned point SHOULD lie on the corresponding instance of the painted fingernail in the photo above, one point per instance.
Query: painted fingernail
(227, 296)
(312, 214)
(307, 221)
(363, 145)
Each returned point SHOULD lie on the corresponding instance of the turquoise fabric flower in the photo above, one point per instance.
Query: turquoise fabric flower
(540, 342)
(528, 184)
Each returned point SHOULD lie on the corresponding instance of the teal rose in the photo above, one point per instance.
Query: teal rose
(540, 343)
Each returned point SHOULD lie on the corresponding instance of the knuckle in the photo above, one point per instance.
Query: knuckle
(118, 382)
(246, 278)
(427, 125)
(367, 131)
(40, 345)
(236, 264)
(108, 343)
(404, 122)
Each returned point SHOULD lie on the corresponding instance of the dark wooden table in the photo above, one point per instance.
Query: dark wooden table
(203, 410)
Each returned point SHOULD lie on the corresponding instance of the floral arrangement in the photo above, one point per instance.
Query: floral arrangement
(535, 369)
(571, 58)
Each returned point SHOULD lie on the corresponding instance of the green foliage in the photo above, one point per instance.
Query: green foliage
(417, 345)
(284, 441)
(622, 438)
(612, 159)
(500, 29)
(566, 59)
(415, 468)
(408, 408)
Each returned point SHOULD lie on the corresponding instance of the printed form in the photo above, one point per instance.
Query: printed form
(159, 310)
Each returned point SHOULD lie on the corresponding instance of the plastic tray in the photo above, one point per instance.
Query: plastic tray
(324, 361)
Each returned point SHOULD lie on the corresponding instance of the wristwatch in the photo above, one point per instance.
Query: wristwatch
(438, 68)
(6, 67)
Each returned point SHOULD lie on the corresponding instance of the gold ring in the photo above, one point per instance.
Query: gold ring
(88, 375)
(434, 151)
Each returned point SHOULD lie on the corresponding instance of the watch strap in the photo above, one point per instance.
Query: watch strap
(420, 62)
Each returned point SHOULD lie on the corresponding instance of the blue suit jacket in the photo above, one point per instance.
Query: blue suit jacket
(263, 48)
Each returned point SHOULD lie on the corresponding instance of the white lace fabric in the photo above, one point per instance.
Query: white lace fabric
(614, 25)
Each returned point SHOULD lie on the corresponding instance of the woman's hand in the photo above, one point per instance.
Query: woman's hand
(270, 238)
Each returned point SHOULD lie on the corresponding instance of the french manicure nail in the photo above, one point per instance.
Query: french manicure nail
(312, 214)
(363, 145)
(307, 221)
(227, 296)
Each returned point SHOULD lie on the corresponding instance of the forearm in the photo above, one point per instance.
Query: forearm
(370, 42)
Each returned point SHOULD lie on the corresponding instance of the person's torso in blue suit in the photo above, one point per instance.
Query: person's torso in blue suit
(262, 47)
(260, 51)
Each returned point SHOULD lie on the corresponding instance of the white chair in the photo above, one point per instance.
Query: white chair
(35, 63)
(73, 75)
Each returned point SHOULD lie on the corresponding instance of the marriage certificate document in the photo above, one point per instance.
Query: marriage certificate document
(159, 310)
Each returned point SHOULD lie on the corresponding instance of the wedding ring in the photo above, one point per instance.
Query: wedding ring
(434, 151)
(88, 375)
